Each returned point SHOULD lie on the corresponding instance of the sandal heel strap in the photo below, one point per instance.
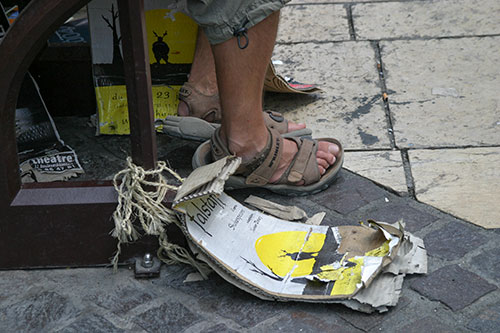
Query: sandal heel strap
(266, 169)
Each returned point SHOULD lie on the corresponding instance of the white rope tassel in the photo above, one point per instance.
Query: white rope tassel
(140, 195)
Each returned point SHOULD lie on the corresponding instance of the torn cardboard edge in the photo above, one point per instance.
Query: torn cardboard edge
(290, 213)
(274, 82)
(281, 260)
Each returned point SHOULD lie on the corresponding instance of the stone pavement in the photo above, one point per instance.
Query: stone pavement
(436, 135)
(411, 89)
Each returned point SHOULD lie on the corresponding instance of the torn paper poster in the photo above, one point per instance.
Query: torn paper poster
(42, 154)
(276, 259)
(171, 41)
(287, 260)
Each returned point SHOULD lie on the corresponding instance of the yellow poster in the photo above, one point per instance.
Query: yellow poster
(171, 37)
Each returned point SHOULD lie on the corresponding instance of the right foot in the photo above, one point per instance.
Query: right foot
(326, 155)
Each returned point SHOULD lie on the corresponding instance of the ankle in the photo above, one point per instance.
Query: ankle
(247, 147)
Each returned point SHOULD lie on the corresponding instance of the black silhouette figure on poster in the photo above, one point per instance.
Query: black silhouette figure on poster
(117, 55)
(160, 49)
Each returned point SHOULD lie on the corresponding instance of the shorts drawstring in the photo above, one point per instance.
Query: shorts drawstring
(240, 34)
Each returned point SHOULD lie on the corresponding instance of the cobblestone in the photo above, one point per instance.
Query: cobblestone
(348, 193)
(120, 300)
(394, 211)
(91, 324)
(168, 317)
(488, 263)
(453, 286)
(453, 240)
(427, 324)
(487, 320)
(305, 322)
(41, 310)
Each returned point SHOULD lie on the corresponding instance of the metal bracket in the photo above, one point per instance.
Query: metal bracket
(147, 267)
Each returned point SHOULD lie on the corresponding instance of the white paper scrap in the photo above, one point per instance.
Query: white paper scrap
(316, 219)
(290, 213)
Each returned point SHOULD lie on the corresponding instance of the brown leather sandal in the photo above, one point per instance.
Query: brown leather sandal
(257, 172)
(207, 108)
(197, 129)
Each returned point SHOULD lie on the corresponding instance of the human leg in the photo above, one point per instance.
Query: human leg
(201, 92)
(240, 77)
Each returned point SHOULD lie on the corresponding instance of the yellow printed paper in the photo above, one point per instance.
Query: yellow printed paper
(381, 251)
(349, 279)
(171, 41)
(289, 252)
(113, 111)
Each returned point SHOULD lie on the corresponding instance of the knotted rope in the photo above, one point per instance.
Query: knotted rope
(140, 197)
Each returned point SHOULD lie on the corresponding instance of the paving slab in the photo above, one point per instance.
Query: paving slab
(300, 321)
(41, 309)
(448, 284)
(91, 323)
(413, 19)
(218, 328)
(350, 108)
(462, 182)
(318, 23)
(168, 317)
(453, 240)
(395, 210)
(487, 320)
(444, 93)
(383, 167)
(428, 324)
(488, 263)
(348, 194)
(120, 299)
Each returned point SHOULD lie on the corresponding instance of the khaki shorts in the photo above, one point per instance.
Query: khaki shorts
(220, 19)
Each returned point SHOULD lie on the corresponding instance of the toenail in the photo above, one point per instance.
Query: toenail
(333, 149)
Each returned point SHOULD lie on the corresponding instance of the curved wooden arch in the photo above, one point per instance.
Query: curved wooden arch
(65, 223)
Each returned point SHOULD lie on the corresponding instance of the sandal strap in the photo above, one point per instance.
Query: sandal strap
(258, 171)
(304, 166)
(200, 105)
(220, 150)
(301, 160)
(269, 159)
(275, 120)
(208, 107)
(218, 147)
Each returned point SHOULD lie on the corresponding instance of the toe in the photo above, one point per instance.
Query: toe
(321, 170)
(328, 157)
(322, 164)
(293, 126)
